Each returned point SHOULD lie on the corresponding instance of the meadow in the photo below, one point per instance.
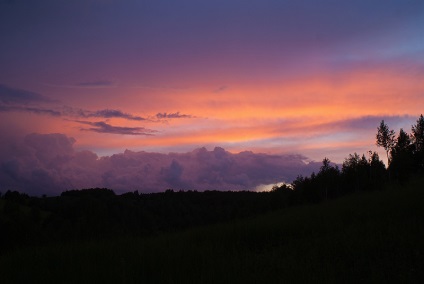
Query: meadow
(364, 237)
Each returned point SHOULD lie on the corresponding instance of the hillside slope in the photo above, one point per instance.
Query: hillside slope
(366, 237)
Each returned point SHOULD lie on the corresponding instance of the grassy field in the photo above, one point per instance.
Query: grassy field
(373, 237)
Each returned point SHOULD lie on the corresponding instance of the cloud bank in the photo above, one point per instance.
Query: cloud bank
(49, 164)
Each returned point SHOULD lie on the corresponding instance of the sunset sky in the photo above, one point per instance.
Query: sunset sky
(282, 78)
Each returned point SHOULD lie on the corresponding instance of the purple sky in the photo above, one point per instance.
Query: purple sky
(295, 81)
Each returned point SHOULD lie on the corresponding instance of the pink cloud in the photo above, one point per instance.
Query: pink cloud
(48, 163)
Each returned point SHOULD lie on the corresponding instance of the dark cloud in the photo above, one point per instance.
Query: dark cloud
(351, 125)
(12, 99)
(34, 109)
(165, 115)
(104, 113)
(220, 89)
(48, 163)
(372, 122)
(101, 83)
(71, 112)
(103, 127)
(10, 95)
(110, 113)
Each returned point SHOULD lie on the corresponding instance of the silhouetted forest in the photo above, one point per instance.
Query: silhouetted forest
(98, 213)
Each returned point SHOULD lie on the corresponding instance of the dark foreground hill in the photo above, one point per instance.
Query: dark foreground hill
(95, 214)
(366, 237)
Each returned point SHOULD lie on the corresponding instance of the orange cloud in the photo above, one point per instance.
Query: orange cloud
(350, 94)
(244, 114)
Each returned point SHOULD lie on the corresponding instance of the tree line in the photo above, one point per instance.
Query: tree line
(405, 155)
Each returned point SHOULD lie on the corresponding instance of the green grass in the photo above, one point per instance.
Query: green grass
(375, 237)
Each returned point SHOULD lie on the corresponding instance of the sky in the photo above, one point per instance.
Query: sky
(87, 85)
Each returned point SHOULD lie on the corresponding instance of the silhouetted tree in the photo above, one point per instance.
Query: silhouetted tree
(328, 179)
(418, 134)
(90, 192)
(355, 172)
(402, 157)
(21, 198)
(418, 142)
(303, 190)
(377, 171)
(281, 188)
(386, 139)
(403, 143)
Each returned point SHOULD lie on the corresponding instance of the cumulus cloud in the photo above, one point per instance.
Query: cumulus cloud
(103, 127)
(35, 164)
(48, 163)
